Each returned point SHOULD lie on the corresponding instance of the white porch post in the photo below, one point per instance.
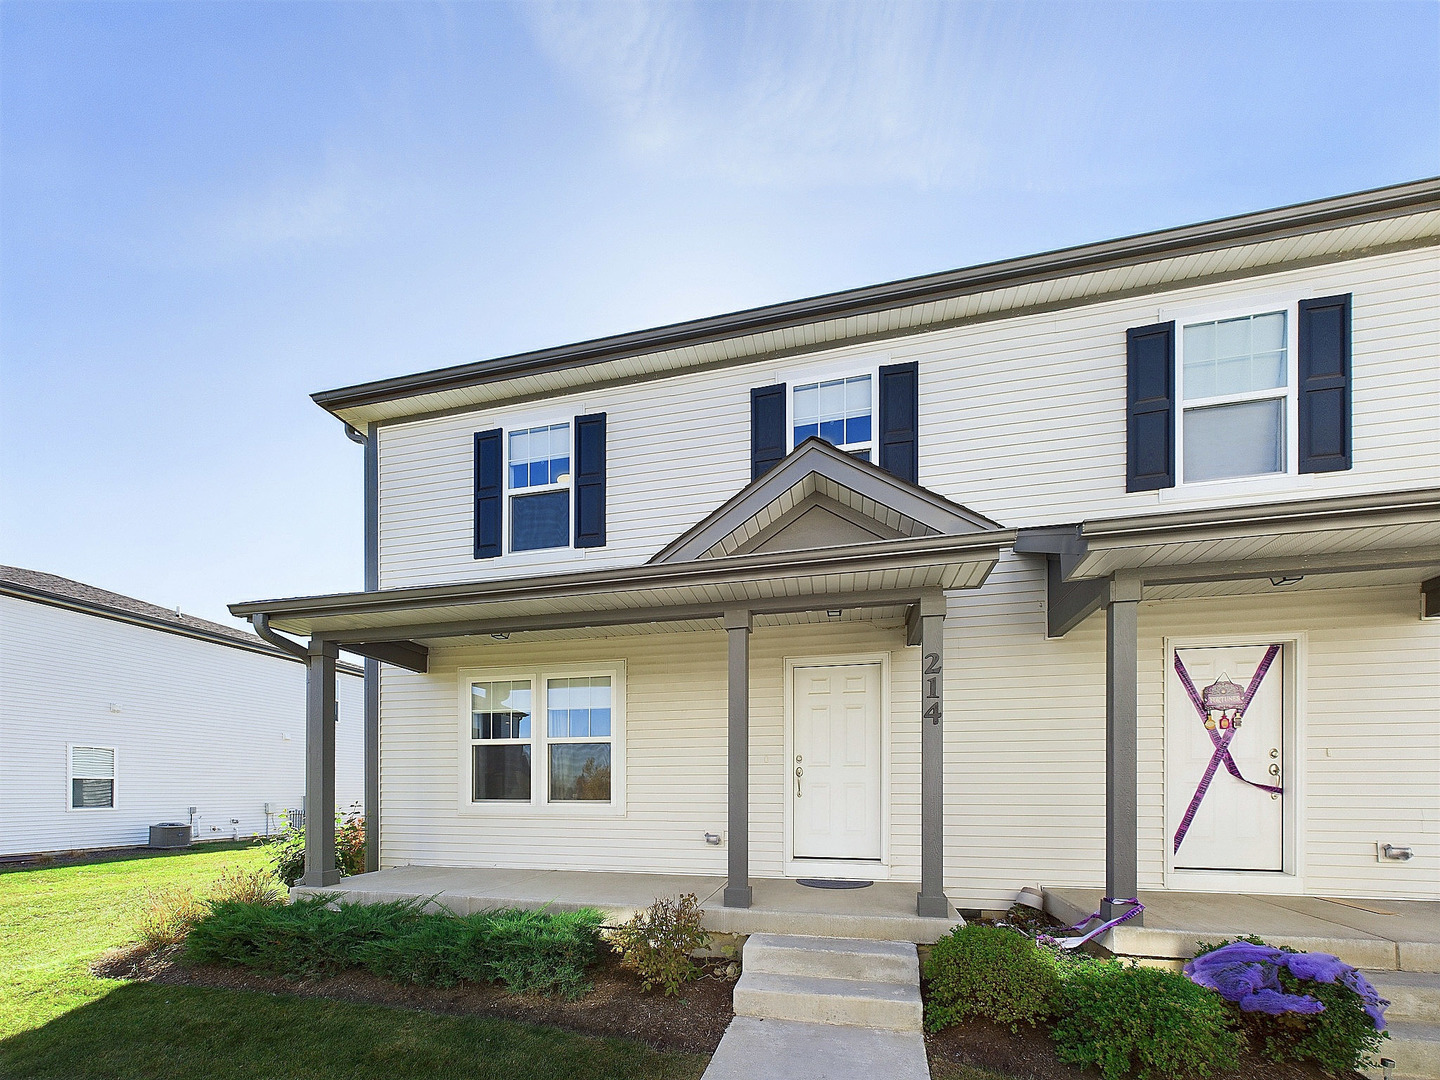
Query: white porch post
(931, 901)
(737, 629)
(1121, 744)
(320, 764)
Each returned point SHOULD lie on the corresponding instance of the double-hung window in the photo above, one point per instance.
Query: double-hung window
(840, 411)
(1235, 389)
(500, 737)
(538, 468)
(92, 778)
(571, 757)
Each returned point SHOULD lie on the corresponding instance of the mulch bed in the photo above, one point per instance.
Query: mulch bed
(1030, 1055)
(691, 1022)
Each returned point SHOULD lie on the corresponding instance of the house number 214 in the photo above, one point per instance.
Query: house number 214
(931, 669)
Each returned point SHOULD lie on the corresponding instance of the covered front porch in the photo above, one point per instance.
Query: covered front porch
(819, 543)
(882, 911)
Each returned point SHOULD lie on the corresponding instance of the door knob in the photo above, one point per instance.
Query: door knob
(1274, 770)
(798, 771)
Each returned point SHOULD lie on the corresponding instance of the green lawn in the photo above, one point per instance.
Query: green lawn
(57, 1020)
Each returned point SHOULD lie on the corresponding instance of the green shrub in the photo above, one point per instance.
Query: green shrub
(656, 944)
(990, 972)
(1128, 1020)
(527, 951)
(1341, 1039)
(287, 850)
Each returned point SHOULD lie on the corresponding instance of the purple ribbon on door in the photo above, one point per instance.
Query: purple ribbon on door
(1221, 756)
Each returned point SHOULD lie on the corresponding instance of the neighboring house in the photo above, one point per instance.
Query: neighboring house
(1162, 515)
(116, 715)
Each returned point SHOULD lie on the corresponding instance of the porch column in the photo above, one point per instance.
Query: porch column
(320, 764)
(372, 667)
(1121, 744)
(737, 629)
(931, 899)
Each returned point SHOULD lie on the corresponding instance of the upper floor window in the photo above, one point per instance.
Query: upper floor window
(840, 411)
(539, 470)
(1235, 389)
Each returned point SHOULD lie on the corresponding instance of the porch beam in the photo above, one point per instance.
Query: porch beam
(409, 655)
(515, 624)
(1122, 655)
(738, 893)
(320, 867)
(931, 901)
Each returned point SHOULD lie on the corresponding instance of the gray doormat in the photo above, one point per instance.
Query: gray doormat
(832, 883)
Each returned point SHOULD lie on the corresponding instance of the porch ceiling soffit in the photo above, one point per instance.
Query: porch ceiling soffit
(1326, 230)
(820, 498)
(883, 573)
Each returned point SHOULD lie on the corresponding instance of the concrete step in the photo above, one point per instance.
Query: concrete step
(856, 1002)
(1413, 995)
(833, 958)
(1415, 1048)
(753, 1049)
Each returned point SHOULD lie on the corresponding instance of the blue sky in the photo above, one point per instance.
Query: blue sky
(208, 211)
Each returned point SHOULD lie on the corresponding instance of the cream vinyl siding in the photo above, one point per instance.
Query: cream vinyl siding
(1025, 736)
(199, 724)
(675, 727)
(1021, 419)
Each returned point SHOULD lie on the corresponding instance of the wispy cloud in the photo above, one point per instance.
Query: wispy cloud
(336, 204)
(792, 94)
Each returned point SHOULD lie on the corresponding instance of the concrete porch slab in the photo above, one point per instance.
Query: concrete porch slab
(1175, 922)
(884, 911)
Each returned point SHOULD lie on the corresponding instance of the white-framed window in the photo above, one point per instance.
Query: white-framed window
(537, 471)
(92, 777)
(840, 410)
(1236, 387)
(547, 738)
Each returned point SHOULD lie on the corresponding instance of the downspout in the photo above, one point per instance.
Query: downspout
(261, 622)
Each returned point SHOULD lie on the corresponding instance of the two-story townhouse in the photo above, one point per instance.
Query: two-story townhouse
(1112, 565)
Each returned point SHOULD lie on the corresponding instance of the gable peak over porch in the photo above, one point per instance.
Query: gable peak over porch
(820, 497)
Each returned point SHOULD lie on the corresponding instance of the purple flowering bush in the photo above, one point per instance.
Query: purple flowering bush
(1295, 1006)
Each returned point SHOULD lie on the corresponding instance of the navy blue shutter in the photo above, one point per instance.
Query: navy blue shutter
(899, 428)
(590, 480)
(1325, 384)
(489, 494)
(1150, 407)
(767, 428)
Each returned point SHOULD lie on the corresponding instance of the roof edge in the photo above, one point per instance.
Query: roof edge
(1390, 201)
(102, 611)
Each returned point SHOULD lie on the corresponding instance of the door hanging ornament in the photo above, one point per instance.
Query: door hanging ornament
(1221, 707)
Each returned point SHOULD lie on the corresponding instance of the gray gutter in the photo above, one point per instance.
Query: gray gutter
(1334, 510)
(841, 559)
(261, 622)
(1375, 204)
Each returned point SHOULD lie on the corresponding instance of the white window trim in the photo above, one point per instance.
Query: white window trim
(568, 484)
(70, 779)
(836, 369)
(1254, 304)
(539, 803)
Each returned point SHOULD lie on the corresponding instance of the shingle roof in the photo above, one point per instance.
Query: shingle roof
(51, 588)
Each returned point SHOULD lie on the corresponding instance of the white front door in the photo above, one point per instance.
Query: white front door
(835, 776)
(1236, 825)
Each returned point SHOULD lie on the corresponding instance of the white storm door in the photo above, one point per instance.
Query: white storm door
(1236, 826)
(835, 776)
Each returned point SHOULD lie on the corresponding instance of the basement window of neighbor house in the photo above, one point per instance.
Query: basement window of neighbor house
(92, 778)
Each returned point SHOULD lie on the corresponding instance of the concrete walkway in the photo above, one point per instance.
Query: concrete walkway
(754, 1049)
